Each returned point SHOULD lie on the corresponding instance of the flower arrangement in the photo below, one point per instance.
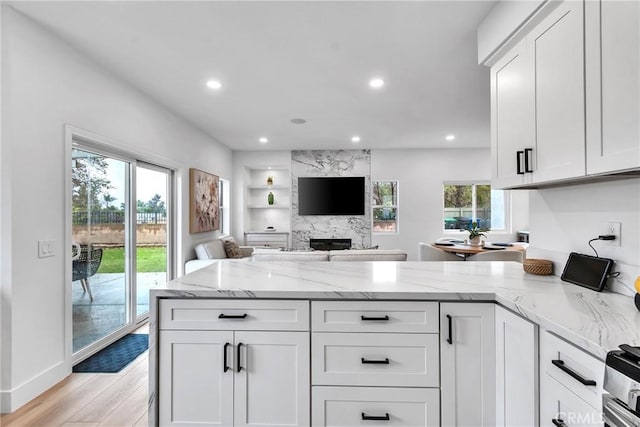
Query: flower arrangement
(475, 231)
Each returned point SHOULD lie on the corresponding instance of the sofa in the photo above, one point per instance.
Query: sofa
(213, 251)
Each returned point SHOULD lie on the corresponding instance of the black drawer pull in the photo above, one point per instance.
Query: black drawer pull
(224, 361)
(527, 154)
(384, 318)
(558, 422)
(560, 364)
(232, 316)
(519, 162)
(384, 417)
(384, 361)
(238, 357)
(450, 339)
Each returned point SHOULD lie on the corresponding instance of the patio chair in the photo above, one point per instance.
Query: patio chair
(86, 265)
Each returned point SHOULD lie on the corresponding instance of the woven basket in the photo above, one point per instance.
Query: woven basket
(541, 267)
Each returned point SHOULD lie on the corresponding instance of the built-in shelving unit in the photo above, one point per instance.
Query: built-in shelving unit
(259, 214)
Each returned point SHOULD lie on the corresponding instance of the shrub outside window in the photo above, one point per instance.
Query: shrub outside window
(385, 206)
(466, 203)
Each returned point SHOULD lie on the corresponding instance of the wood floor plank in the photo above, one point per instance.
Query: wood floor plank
(79, 425)
(127, 413)
(143, 421)
(113, 396)
(46, 400)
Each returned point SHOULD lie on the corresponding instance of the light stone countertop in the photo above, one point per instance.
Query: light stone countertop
(597, 322)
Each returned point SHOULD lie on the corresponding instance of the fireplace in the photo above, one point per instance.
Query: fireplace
(329, 244)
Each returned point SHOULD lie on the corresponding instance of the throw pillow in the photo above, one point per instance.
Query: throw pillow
(232, 249)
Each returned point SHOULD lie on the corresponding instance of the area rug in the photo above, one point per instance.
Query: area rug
(116, 356)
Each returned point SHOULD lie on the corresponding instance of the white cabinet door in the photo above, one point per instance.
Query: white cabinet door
(272, 379)
(516, 370)
(512, 117)
(613, 85)
(557, 45)
(467, 364)
(194, 388)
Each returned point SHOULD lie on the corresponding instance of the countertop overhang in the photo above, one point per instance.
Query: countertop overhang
(595, 321)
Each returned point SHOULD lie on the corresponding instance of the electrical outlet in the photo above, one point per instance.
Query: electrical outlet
(614, 228)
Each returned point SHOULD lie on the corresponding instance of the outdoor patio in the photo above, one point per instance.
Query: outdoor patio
(95, 319)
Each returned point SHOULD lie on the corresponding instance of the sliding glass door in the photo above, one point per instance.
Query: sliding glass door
(121, 230)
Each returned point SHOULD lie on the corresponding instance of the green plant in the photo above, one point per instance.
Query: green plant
(475, 231)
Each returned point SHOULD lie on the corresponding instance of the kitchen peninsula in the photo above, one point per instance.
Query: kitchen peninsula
(260, 342)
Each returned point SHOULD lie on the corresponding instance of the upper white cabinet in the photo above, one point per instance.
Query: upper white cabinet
(467, 364)
(613, 85)
(556, 46)
(565, 98)
(516, 370)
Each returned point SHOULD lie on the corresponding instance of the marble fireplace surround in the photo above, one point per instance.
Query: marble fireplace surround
(330, 163)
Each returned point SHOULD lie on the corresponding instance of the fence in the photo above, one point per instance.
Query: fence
(117, 217)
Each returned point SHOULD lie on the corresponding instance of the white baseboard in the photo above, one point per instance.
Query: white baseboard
(11, 400)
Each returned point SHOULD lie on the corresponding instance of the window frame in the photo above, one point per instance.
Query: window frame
(396, 206)
(224, 206)
(474, 183)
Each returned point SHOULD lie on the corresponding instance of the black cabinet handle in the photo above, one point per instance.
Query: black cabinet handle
(384, 318)
(527, 154)
(519, 162)
(225, 367)
(384, 361)
(232, 316)
(238, 357)
(560, 364)
(450, 339)
(384, 417)
(558, 422)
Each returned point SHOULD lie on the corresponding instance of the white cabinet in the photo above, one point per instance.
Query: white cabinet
(613, 85)
(516, 370)
(512, 118)
(233, 376)
(266, 239)
(467, 364)
(557, 46)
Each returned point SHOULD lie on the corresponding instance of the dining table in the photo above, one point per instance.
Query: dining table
(466, 250)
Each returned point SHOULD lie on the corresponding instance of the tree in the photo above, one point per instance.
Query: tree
(90, 182)
(156, 205)
(457, 196)
(108, 199)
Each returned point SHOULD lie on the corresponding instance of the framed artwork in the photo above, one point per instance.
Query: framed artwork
(204, 213)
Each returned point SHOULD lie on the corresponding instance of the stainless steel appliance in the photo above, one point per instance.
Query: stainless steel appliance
(621, 406)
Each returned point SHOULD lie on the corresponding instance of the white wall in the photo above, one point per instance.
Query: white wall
(421, 174)
(564, 219)
(47, 84)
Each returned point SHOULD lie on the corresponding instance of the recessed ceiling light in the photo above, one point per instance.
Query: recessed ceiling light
(376, 83)
(214, 84)
(450, 137)
(263, 140)
(298, 121)
(355, 139)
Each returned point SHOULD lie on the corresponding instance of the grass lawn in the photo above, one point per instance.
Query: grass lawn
(150, 260)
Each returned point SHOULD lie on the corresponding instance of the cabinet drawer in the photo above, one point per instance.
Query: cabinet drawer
(213, 314)
(375, 316)
(347, 406)
(407, 360)
(558, 403)
(559, 359)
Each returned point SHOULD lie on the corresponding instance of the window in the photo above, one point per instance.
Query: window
(225, 208)
(466, 203)
(385, 206)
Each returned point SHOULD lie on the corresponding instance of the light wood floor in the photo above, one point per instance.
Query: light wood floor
(89, 400)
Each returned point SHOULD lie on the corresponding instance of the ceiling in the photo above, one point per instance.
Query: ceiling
(283, 60)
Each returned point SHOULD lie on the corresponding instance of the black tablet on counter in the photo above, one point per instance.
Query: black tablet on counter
(588, 271)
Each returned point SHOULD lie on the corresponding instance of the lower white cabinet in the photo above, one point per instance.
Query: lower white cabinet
(355, 406)
(467, 364)
(516, 370)
(234, 378)
(560, 407)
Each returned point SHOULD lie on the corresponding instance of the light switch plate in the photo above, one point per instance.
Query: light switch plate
(45, 248)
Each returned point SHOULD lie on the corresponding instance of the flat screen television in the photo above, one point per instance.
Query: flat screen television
(331, 195)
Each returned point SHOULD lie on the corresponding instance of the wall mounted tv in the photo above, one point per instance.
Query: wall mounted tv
(331, 195)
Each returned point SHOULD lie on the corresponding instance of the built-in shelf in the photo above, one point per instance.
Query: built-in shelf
(268, 206)
(268, 187)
